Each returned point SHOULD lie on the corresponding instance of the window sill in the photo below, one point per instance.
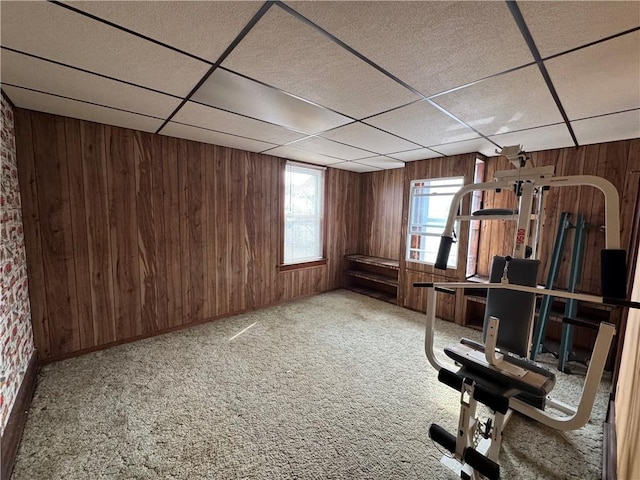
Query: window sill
(297, 266)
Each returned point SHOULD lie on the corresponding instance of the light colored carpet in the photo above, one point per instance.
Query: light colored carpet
(330, 387)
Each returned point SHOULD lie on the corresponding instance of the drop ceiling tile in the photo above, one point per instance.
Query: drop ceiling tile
(608, 128)
(42, 102)
(513, 101)
(432, 46)
(417, 154)
(302, 155)
(232, 92)
(559, 26)
(423, 124)
(355, 167)
(468, 146)
(214, 119)
(330, 148)
(216, 138)
(385, 163)
(30, 72)
(369, 138)
(543, 138)
(54, 32)
(204, 29)
(604, 78)
(286, 53)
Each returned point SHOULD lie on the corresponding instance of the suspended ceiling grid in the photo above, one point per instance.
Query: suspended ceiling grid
(357, 85)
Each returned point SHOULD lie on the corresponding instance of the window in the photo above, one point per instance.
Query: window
(303, 213)
(429, 203)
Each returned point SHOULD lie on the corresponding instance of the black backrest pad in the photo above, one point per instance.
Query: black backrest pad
(514, 309)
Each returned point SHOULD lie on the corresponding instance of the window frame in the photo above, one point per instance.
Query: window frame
(410, 234)
(288, 266)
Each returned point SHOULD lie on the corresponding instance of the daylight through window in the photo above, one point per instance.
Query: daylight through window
(303, 212)
(429, 203)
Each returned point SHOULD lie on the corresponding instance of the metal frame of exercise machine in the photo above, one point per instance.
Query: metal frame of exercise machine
(473, 457)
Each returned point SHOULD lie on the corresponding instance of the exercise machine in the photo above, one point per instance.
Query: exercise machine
(497, 372)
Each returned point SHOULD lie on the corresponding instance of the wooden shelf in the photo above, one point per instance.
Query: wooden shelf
(370, 292)
(373, 276)
(374, 261)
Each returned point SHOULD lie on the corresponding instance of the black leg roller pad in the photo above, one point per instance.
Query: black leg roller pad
(441, 436)
(482, 464)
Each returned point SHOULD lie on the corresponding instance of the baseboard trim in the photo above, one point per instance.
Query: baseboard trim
(17, 419)
(176, 328)
(610, 445)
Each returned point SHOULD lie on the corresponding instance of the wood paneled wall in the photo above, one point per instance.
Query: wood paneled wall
(615, 161)
(129, 233)
(380, 223)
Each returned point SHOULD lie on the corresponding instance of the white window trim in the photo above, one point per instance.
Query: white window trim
(321, 219)
(409, 249)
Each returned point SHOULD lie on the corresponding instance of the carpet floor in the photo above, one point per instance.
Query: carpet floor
(334, 386)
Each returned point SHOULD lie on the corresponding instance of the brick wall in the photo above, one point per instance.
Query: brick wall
(16, 338)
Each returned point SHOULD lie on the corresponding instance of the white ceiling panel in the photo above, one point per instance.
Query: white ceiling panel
(215, 119)
(302, 155)
(559, 26)
(369, 138)
(423, 124)
(417, 41)
(607, 74)
(475, 145)
(412, 155)
(204, 29)
(42, 102)
(543, 138)
(513, 101)
(355, 167)
(286, 53)
(56, 33)
(381, 162)
(216, 138)
(29, 72)
(330, 148)
(608, 128)
(232, 92)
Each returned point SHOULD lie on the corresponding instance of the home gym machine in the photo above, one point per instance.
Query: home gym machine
(497, 372)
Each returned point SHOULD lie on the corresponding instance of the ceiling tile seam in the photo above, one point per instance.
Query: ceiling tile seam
(224, 133)
(309, 151)
(371, 63)
(607, 114)
(348, 48)
(297, 97)
(83, 101)
(591, 44)
(363, 119)
(481, 80)
(266, 152)
(55, 62)
(128, 30)
(523, 130)
(334, 141)
(392, 134)
(385, 155)
(515, 69)
(247, 28)
(449, 114)
(249, 117)
(528, 38)
(6, 97)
